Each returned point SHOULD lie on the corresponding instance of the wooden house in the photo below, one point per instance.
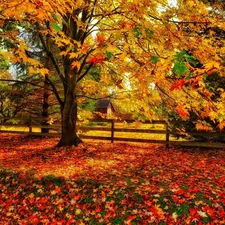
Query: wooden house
(104, 108)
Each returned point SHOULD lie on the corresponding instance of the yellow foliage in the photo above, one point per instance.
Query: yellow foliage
(74, 55)
(221, 125)
(203, 125)
(135, 32)
(43, 71)
(63, 53)
(122, 56)
(75, 64)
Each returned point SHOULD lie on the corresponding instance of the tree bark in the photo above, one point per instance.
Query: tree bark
(69, 112)
(45, 107)
(46, 94)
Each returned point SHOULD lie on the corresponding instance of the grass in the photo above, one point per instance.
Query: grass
(130, 134)
(16, 128)
(147, 136)
(109, 183)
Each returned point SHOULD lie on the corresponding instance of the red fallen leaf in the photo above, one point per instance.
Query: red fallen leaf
(130, 219)
(22, 210)
(154, 210)
(77, 197)
(195, 189)
(146, 196)
(84, 206)
(193, 212)
(178, 84)
(34, 219)
(221, 213)
(124, 201)
(210, 211)
(180, 192)
(57, 189)
(98, 209)
(175, 198)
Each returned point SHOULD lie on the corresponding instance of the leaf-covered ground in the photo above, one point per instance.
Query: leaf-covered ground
(109, 183)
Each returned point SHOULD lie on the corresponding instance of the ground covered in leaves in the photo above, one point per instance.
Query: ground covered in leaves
(109, 183)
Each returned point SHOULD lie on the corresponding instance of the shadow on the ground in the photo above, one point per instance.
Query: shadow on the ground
(104, 161)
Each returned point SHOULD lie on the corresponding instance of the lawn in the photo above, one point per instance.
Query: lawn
(133, 134)
(109, 183)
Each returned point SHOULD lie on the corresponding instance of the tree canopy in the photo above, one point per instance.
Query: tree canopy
(149, 54)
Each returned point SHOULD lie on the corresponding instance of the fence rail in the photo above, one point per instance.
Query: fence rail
(33, 126)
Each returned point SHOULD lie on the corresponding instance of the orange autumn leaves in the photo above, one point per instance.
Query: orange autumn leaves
(143, 40)
(99, 57)
(109, 184)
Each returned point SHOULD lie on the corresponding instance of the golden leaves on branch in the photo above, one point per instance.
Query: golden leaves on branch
(41, 71)
(138, 40)
(76, 64)
(203, 125)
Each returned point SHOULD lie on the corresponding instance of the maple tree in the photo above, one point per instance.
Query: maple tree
(137, 44)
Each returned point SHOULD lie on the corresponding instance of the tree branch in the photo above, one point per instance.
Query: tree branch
(55, 91)
(52, 58)
(178, 22)
(160, 89)
(22, 81)
(85, 73)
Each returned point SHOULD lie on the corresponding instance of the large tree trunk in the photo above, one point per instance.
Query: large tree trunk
(46, 94)
(69, 106)
(69, 135)
(45, 106)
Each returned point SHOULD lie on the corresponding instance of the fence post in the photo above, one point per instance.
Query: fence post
(30, 125)
(167, 135)
(112, 131)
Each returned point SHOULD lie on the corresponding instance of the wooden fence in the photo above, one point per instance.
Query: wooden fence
(113, 128)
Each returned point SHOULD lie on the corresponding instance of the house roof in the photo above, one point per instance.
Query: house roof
(104, 104)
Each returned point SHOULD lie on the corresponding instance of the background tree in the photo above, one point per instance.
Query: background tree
(35, 98)
(209, 85)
